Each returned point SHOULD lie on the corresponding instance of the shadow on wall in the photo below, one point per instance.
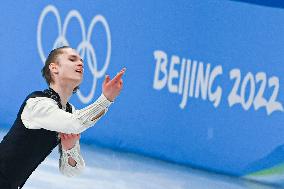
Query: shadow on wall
(268, 3)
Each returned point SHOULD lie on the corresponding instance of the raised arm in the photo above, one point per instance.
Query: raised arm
(42, 112)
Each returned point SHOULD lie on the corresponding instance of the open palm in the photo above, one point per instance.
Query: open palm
(112, 88)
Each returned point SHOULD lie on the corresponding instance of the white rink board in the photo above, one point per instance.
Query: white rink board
(107, 169)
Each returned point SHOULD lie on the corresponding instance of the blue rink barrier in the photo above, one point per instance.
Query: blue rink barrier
(204, 79)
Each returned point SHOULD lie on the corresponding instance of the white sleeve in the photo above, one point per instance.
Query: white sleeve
(43, 112)
(64, 167)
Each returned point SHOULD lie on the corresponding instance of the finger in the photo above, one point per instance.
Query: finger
(66, 136)
(62, 136)
(78, 136)
(72, 136)
(75, 136)
(118, 76)
(69, 136)
(123, 69)
(120, 83)
(107, 79)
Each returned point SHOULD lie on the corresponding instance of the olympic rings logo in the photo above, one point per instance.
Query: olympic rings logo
(85, 47)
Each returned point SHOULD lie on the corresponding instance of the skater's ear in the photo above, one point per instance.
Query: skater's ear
(53, 67)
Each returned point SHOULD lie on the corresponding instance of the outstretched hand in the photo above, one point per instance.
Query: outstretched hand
(112, 88)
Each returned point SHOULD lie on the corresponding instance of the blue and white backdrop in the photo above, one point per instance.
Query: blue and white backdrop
(204, 81)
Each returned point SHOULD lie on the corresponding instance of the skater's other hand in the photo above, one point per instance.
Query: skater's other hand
(68, 141)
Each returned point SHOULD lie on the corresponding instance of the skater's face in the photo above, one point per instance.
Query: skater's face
(69, 67)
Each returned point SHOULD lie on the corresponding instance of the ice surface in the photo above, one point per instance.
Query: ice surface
(107, 169)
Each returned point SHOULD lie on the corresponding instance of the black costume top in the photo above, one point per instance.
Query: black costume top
(22, 149)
